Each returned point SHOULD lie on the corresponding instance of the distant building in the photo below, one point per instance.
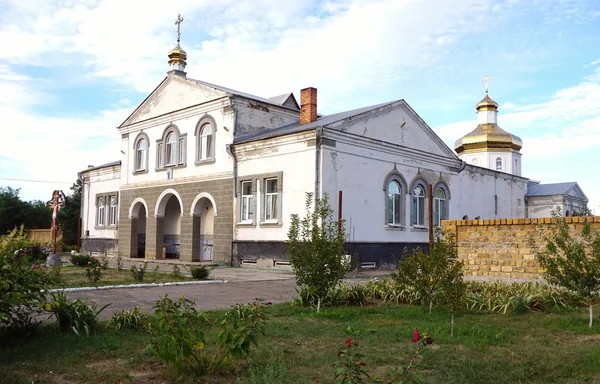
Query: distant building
(210, 173)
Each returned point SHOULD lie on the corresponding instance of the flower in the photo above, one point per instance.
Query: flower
(89, 262)
(36, 266)
(269, 303)
(340, 354)
(349, 341)
(361, 364)
(417, 336)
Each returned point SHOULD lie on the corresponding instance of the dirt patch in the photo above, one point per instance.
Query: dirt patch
(106, 365)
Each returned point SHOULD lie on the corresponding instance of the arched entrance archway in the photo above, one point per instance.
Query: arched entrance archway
(203, 214)
(138, 214)
(168, 224)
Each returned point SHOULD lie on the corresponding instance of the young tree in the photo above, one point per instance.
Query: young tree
(571, 261)
(69, 215)
(436, 275)
(316, 248)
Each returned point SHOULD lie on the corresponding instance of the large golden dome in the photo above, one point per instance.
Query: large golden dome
(177, 55)
(488, 136)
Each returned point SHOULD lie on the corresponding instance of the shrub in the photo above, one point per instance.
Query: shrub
(93, 272)
(75, 315)
(178, 337)
(316, 248)
(200, 272)
(83, 260)
(176, 272)
(138, 273)
(133, 319)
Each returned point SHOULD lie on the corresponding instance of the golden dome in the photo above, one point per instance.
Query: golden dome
(487, 104)
(177, 55)
(488, 137)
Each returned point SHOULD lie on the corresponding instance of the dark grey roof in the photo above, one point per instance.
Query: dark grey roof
(550, 189)
(243, 94)
(118, 162)
(320, 122)
(280, 99)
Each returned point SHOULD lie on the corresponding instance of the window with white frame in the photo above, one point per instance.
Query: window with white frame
(171, 148)
(394, 203)
(498, 164)
(140, 155)
(205, 142)
(247, 208)
(271, 197)
(418, 206)
(112, 210)
(439, 206)
(101, 211)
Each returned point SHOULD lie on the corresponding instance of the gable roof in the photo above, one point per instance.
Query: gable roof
(285, 101)
(337, 120)
(111, 164)
(322, 121)
(554, 189)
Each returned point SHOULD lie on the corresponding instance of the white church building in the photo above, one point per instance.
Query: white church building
(208, 173)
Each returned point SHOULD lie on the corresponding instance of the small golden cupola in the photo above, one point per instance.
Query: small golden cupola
(177, 56)
(488, 145)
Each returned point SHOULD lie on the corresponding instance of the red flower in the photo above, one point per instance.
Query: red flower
(340, 354)
(269, 303)
(349, 341)
(417, 336)
(89, 262)
(36, 266)
(361, 364)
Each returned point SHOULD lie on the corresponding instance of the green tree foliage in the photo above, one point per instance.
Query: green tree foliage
(571, 261)
(437, 276)
(15, 213)
(316, 248)
(68, 216)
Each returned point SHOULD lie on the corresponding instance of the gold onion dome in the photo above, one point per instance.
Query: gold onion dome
(177, 55)
(488, 136)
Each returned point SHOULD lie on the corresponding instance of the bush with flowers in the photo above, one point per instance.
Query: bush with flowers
(351, 367)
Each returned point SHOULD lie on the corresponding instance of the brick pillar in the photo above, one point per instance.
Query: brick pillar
(133, 240)
(186, 232)
(308, 105)
(196, 238)
(154, 237)
(124, 241)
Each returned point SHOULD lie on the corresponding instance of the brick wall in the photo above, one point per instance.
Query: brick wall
(499, 248)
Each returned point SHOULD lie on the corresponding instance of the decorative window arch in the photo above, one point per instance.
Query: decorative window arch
(418, 193)
(395, 188)
(441, 196)
(475, 161)
(141, 146)
(465, 217)
(205, 140)
(171, 148)
(498, 164)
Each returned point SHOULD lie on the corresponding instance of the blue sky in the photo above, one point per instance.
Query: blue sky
(70, 72)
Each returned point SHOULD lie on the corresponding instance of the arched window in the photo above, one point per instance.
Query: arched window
(205, 142)
(141, 153)
(498, 164)
(171, 149)
(418, 205)
(394, 203)
(567, 213)
(516, 166)
(465, 217)
(475, 162)
(206, 131)
(439, 206)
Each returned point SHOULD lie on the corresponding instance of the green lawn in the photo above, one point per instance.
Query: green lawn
(301, 347)
(73, 276)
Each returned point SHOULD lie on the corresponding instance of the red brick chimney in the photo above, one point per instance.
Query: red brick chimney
(308, 105)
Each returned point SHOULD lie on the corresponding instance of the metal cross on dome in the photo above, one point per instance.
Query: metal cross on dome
(178, 24)
(486, 81)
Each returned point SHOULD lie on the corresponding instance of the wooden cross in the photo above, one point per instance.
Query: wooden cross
(486, 80)
(58, 201)
(178, 24)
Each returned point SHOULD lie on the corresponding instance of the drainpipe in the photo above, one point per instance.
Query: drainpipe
(231, 152)
(318, 140)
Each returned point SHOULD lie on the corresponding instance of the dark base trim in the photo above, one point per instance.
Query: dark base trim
(100, 245)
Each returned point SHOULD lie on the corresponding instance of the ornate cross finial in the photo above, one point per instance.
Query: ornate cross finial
(178, 24)
(486, 81)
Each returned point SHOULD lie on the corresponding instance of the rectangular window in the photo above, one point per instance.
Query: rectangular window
(160, 161)
(271, 200)
(181, 151)
(170, 154)
(101, 212)
(247, 209)
(112, 210)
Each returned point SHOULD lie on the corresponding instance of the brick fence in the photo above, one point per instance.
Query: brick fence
(499, 248)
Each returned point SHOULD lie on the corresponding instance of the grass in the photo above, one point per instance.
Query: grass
(73, 276)
(301, 347)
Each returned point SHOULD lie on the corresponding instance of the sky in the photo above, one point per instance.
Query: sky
(72, 71)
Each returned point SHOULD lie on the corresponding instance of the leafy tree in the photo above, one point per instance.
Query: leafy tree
(68, 216)
(571, 261)
(437, 276)
(316, 248)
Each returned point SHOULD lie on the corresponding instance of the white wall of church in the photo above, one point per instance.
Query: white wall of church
(103, 182)
(510, 162)
(294, 156)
